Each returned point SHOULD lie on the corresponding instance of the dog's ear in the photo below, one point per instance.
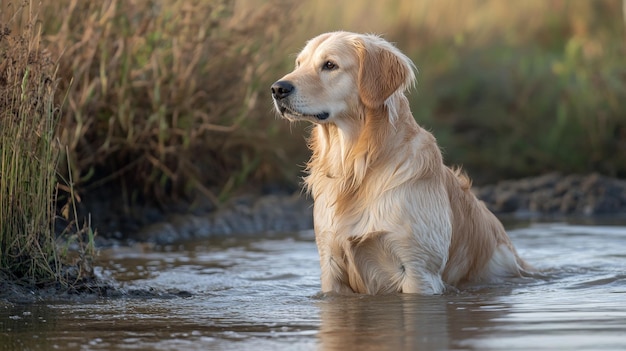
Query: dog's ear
(383, 70)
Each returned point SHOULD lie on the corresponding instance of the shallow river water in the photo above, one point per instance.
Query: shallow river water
(262, 293)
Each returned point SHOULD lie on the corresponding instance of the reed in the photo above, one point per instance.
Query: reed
(28, 157)
(32, 252)
(168, 98)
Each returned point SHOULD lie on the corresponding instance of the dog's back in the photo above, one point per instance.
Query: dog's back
(480, 250)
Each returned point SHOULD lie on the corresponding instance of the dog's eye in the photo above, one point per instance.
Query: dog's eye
(329, 66)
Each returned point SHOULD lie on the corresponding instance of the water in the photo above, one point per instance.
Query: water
(263, 294)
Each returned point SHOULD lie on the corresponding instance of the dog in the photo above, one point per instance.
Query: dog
(389, 216)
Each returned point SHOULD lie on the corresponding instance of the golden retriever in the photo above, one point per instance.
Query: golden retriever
(389, 216)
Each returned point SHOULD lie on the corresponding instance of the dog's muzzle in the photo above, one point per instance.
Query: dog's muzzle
(281, 90)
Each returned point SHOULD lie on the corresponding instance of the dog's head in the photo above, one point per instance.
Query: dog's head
(339, 74)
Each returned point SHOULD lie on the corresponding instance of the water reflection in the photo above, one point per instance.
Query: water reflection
(406, 322)
(399, 321)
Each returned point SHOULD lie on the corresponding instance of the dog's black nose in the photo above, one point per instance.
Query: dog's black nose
(282, 89)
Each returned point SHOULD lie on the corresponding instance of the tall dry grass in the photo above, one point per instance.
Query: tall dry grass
(167, 98)
(32, 252)
(28, 158)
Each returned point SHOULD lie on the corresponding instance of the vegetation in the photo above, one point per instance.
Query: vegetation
(168, 98)
(509, 89)
(27, 156)
(28, 160)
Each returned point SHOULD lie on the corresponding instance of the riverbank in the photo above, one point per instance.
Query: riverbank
(554, 195)
(551, 197)
(547, 197)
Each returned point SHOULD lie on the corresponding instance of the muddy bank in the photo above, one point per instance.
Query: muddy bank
(242, 216)
(553, 195)
(12, 292)
(84, 289)
(544, 197)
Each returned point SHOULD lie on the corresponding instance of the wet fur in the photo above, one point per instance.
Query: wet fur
(389, 216)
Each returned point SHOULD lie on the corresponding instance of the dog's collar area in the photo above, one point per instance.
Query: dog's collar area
(286, 110)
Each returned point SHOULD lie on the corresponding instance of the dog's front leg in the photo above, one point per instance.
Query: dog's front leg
(416, 281)
(334, 277)
(423, 259)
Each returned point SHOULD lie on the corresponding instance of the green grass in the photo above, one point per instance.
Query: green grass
(509, 89)
(509, 112)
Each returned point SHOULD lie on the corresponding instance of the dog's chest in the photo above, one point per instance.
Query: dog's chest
(357, 215)
(382, 234)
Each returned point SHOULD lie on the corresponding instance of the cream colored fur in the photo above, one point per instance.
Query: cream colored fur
(389, 216)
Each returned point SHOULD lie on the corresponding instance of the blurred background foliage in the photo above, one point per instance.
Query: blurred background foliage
(163, 99)
(510, 89)
(166, 98)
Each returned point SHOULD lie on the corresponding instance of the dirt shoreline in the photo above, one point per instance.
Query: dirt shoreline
(547, 197)
(552, 196)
